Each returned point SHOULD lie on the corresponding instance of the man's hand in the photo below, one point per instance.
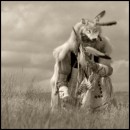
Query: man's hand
(63, 92)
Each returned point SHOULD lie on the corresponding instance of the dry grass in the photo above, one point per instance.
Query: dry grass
(23, 107)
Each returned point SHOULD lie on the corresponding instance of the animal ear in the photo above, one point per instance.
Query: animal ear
(99, 16)
(107, 23)
(83, 21)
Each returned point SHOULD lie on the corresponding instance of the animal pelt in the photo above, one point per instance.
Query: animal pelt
(108, 47)
(70, 45)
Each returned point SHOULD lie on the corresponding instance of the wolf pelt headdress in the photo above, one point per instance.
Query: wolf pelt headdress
(72, 44)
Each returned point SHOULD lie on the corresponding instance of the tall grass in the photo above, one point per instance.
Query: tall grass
(23, 107)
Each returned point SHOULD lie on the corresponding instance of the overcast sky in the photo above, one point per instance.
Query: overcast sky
(31, 30)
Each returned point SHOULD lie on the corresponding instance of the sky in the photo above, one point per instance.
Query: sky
(31, 31)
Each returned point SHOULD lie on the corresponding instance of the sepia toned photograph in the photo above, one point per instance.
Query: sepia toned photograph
(65, 65)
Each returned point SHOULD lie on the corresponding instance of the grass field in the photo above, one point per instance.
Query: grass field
(25, 107)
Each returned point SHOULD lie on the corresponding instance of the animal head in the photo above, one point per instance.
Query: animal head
(91, 29)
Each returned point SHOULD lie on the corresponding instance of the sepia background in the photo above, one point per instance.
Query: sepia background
(31, 30)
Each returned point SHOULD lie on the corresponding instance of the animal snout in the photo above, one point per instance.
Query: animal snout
(94, 39)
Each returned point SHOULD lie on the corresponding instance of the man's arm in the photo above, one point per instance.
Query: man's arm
(103, 68)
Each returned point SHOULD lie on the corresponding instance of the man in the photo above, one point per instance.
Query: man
(88, 53)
